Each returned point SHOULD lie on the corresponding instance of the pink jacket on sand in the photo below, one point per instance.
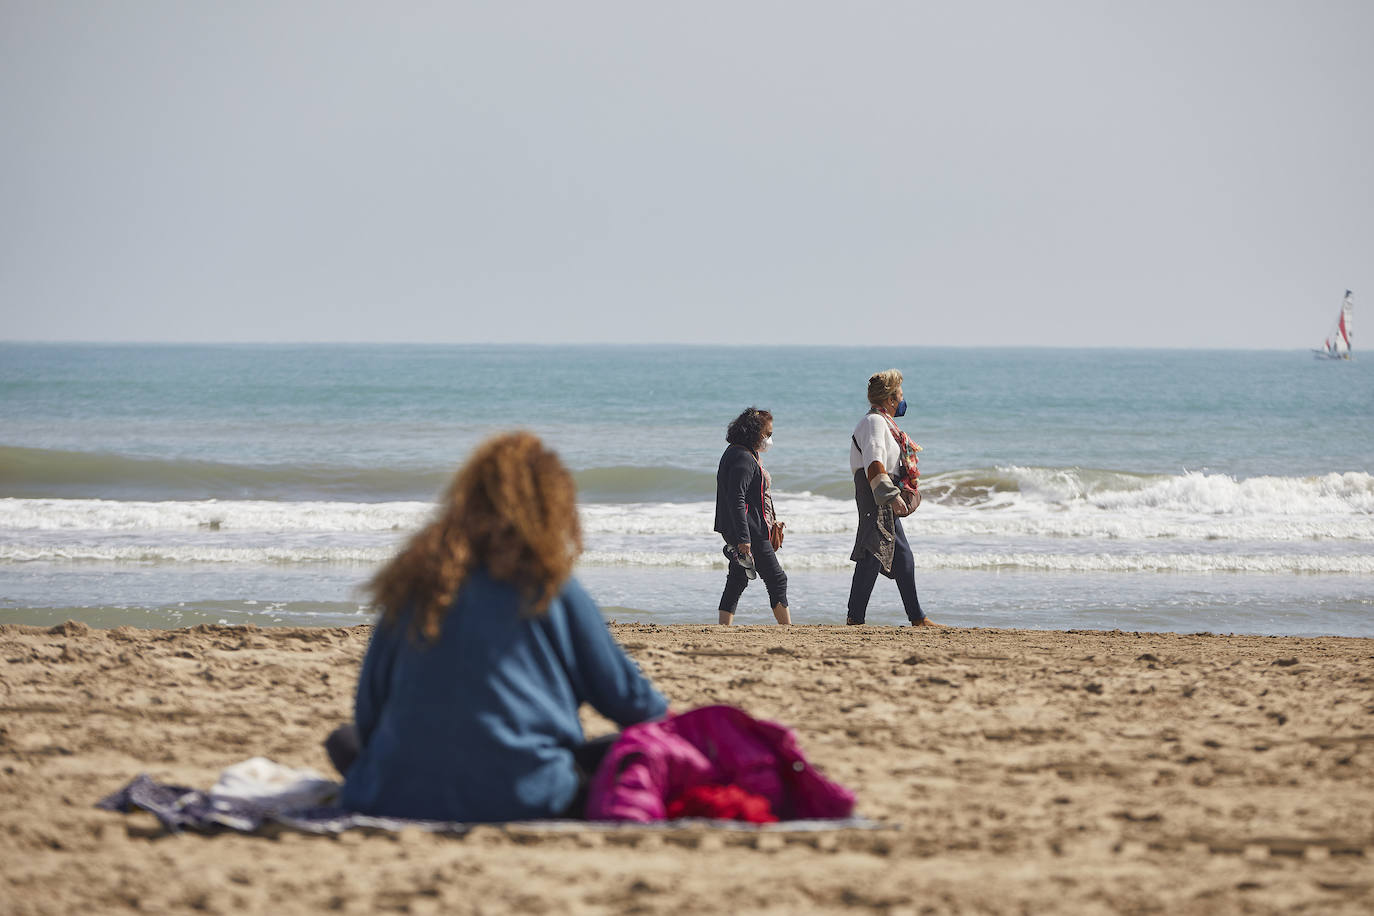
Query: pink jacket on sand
(654, 762)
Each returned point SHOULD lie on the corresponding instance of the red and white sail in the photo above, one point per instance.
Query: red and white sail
(1337, 344)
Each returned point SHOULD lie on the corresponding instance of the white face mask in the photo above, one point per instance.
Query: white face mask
(766, 444)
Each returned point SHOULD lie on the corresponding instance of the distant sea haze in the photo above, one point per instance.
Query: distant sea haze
(1153, 490)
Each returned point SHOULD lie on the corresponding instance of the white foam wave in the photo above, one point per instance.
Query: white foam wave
(219, 515)
(1359, 564)
(172, 553)
(372, 554)
(1255, 497)
(1124, 562)
(804, 512)
(1018, 502)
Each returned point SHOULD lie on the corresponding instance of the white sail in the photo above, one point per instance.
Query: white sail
(1338, 343)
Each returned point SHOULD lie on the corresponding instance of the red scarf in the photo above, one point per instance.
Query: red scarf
(908, 472)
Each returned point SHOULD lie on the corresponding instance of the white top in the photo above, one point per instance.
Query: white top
(875, 444)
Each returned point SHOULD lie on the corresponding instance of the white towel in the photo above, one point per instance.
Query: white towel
(272, 787)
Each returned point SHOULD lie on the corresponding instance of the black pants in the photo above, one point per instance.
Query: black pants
(343, 748)
(770, 571)
(903, 570)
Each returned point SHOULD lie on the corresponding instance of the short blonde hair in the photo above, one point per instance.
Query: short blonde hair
(883, 385)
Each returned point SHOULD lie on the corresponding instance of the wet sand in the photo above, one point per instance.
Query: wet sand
(1011, 771)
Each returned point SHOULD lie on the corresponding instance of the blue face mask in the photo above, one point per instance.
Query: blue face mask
(901, 409)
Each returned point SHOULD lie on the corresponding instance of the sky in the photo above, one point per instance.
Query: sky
(1055, 173)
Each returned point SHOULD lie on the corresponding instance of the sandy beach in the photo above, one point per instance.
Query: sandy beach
(1010, 772)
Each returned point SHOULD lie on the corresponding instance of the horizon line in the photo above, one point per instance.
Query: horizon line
(640, 343)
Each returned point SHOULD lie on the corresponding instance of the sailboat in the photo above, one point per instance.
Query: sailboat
(1337, 345)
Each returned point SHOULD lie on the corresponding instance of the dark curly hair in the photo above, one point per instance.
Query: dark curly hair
(746, 430)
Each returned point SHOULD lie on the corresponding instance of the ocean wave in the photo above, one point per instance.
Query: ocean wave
(1264, 509)
(974, 560)
(190, 553)
(49, 473)
(1193, 492)
(262, 516)
(56, 473)
(31, 472)
(1125, 561)
(627, 483)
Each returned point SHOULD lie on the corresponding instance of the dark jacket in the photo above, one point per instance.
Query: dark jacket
(877, 526)
(739, 497)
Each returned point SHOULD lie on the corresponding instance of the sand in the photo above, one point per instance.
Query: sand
(1011, 771)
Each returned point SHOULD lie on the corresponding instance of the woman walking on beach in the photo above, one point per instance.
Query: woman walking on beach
(744, 516)
(467, 703)
(882, 459)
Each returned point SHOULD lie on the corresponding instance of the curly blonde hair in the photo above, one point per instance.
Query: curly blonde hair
(511, 510)
(883, 385)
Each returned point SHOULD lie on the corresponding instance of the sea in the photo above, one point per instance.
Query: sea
(1140, 490)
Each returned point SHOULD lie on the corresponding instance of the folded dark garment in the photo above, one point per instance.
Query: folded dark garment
(181, 808)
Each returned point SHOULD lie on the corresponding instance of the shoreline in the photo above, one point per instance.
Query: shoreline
(1012, 770)
(1076, 613)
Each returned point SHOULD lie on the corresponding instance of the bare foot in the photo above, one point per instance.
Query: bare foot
(927, 622)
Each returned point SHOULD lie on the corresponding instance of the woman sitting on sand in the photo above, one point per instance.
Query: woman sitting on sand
(467, 704)
(882, 459)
